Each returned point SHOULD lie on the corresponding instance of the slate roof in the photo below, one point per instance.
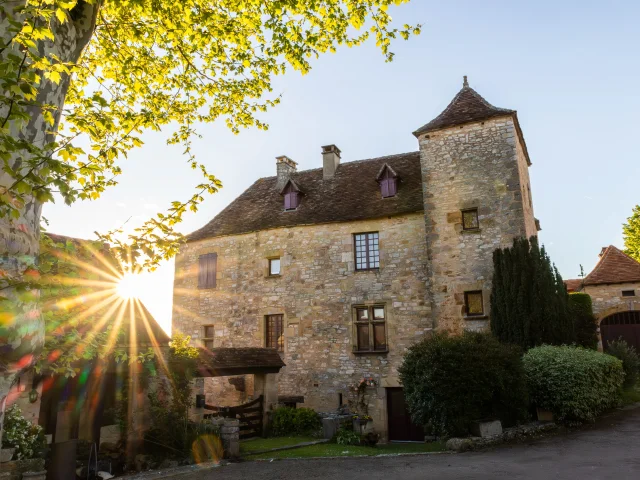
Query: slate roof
(614, 267)
(237, 361)
(352, 194)
(467, 106)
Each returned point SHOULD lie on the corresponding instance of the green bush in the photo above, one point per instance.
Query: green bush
(19, 433)
(297, 421)
(345, 436)
(450, 381)
(584, 322)
(630, 360)
(574, 383)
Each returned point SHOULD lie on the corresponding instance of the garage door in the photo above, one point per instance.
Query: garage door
(625, 325)
(401, 428)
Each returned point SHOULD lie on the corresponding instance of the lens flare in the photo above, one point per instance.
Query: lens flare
(131, 285)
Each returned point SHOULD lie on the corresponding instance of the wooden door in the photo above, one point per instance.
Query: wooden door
(401, 428)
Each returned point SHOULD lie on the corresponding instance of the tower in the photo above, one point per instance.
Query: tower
(477, 198)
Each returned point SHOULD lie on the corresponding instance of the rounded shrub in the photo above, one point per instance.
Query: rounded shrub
(574, 383)
(450, 381)
(629, 358)
(19, 433)
(289, 421)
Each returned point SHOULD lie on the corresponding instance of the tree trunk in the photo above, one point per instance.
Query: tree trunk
(22, 329)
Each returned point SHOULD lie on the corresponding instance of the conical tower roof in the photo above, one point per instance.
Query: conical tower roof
(467, 106)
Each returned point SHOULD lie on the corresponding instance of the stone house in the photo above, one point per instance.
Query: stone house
(343, 267)
(614, 287)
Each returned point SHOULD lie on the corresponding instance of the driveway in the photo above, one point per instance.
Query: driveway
(609, 449)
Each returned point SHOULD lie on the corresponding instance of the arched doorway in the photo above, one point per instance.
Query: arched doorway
(625, 325)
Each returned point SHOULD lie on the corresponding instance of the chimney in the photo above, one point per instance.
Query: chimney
(330, 160)
(285, 167)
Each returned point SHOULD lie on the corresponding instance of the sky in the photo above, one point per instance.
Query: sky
(570, 69)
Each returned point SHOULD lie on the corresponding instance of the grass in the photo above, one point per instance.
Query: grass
(631, 395)
(257, 444)
(335, 450)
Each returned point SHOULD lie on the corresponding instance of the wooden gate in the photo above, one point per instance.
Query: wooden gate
(625, 325)
(249, 414)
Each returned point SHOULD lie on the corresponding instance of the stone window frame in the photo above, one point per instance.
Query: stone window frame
(371, 322)
(482, 314)
(628, 293)
(271, 338)
(367, 256)
(466, 228)
(269, 263)
(208, 338)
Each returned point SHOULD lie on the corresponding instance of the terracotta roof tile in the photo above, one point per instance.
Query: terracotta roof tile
(573, 285)
(352, 194)
(614, 267)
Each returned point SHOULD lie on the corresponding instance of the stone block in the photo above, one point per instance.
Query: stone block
(330, 427)
(486, 429)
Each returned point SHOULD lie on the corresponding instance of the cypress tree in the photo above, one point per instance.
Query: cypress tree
(529, 302)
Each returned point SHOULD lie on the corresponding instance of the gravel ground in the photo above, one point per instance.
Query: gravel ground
(610, 449)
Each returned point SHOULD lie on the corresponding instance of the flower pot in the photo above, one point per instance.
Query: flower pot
(6, 454)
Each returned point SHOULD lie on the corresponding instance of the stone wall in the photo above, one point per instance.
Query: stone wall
(479, 165)
(316, 292)
(608, 299)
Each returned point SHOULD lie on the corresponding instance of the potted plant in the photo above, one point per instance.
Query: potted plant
(362, 421)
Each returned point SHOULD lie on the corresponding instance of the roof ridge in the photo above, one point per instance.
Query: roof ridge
(600, 263)
(384, 157)
(625, 268)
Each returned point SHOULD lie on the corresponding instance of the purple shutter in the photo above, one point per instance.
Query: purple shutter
(393, 186)
(384, 187)
(207, 269)
(295, 199)
(287, 201)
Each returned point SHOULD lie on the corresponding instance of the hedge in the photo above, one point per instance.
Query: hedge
(574, 383)
(584, 322)
(450, 381)
(289, 421)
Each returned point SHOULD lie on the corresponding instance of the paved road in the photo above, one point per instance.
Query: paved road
(607, 450)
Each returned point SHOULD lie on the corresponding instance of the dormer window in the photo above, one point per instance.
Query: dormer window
(292, 195)
(388, 181)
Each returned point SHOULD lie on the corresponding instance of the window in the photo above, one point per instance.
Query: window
(388, 183)
(473, 303)
(470, 219)
(628, 293)
(367, 253)
(274, 333)
(274, 266)
(291, 197)
(207, 269)
(370, 334)
(207, 336)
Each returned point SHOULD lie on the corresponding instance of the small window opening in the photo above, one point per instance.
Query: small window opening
(470, 219)
(274, 266)
(208, 336)
(628, 293)
(474, 305)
